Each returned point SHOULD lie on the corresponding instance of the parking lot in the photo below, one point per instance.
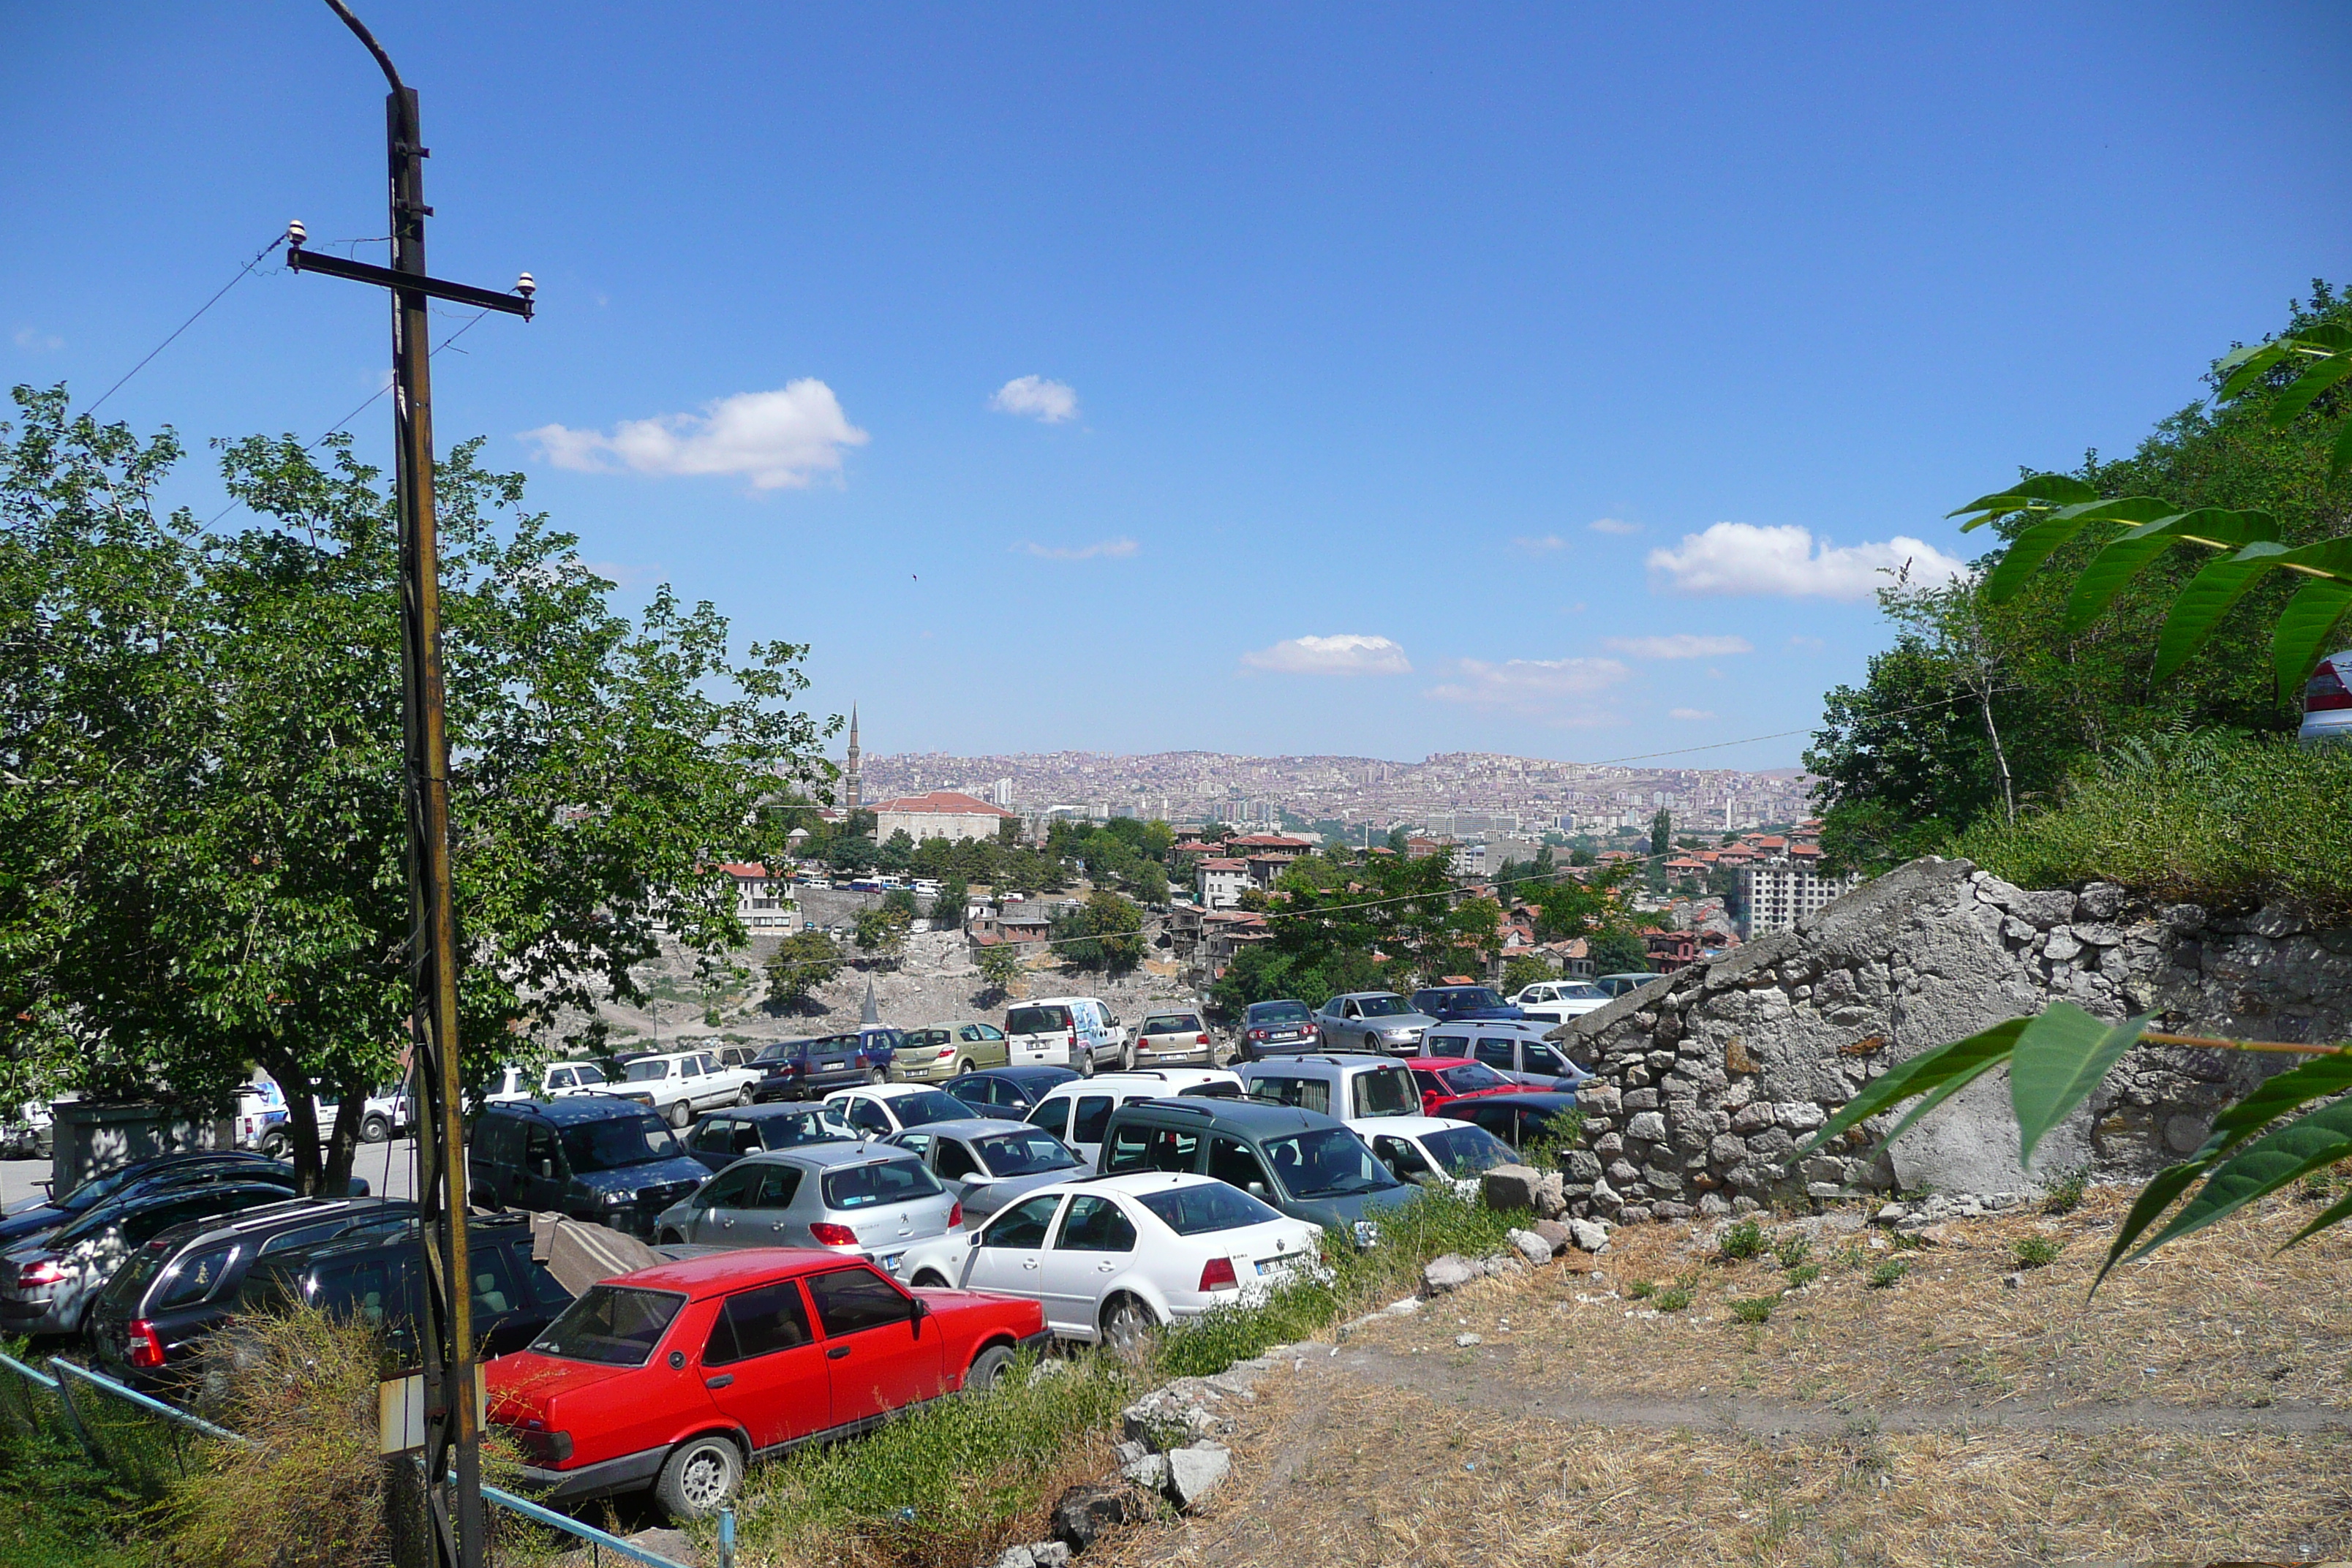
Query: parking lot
(389, 1169)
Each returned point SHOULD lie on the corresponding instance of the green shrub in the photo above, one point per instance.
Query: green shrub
(1803, 1274)
(2207, 819)
(1907, 1241)
(1888, 1273)
(1562, 1134)
(2065, 1194)
(1740, 1241)
(1640, 1290)
(2037, 1251)
(1793, 1249)
(1755, 1309)
(1224, 1335)
(1673, 1298)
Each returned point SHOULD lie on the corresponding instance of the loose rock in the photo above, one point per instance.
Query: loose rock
(1590, 1235)
(1530, 1246)
(1449, 1272)
(1083, 1513)
(1196, 1471)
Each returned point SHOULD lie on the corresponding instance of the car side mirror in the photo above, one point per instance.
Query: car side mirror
(972, 1240)
(1256, 1189)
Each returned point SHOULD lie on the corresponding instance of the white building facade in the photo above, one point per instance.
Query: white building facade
(1221, 883)
(942, 814)
(763, 900)
(1778, 894)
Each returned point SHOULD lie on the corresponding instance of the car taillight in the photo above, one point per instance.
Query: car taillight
(833, 1235)
(1199, 1039)
(1217, 1274)
(1257, 1034)
(955, 1215)
(44, 1271)
(146, 1347)
(2326, 691)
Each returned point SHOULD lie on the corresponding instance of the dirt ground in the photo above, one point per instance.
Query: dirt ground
(2193, 1410)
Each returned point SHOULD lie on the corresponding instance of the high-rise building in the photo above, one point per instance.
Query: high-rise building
(1002, 794)
(1777, 895)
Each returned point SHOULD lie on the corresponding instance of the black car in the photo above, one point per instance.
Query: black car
(141, 1176)
(1449, 1003)
(144, 1325)
(592, 1156)
(723, 1137)
(803, 1069)
(1518, 1119)
(1008, 1092)
(375, 1278)
(1279, 1026)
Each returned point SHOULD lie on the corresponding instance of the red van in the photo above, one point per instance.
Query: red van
(676, 1377)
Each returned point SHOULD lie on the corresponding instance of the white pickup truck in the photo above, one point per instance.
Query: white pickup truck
(679, 1084)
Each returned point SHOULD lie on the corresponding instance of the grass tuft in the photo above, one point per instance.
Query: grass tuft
(1740, 1242)
(1755, 1309)
(1889, 1273)
(1803, 1274)
(2037, 1251)
(2065, 1194)
(1793, 1249)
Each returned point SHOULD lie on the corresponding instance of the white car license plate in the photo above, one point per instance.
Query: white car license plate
(830, 1065)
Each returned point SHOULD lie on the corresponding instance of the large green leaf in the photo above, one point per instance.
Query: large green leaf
(2332, 336)
(1926, 1071)
(2269, 1163)
(2032, 546)
(2153, 1199)
(2249, 365)
(2304, 629)
(2274, 1096)
(2341, 458)
(2322, 375)
(2217, 528)
(2334, 1214)
(2060, 1057)
(2040, 490)
(2200, 606)
(1940, 1093)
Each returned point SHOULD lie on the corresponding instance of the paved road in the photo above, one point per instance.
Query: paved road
(389, 1169)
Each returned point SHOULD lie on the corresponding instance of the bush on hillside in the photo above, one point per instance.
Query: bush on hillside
(2228, 821)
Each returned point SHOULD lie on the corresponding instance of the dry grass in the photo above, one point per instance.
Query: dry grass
(2218, 1319)
(1333, 1470)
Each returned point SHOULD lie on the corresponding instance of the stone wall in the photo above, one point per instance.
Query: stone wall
(1709, 1079)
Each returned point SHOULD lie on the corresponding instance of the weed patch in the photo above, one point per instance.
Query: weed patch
(1793, 1249)
(2037, 1251)
(1740, 1242)
(1803, 1274)
(1889, 1273)
(2065, 1194)
(1755, 1309)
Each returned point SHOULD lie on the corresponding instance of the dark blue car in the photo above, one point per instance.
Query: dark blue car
(808, 1069)
(1453, 1004)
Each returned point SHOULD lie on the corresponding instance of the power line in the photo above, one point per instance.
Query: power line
(191, 321)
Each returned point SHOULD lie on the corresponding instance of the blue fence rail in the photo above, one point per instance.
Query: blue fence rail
(57, 1387)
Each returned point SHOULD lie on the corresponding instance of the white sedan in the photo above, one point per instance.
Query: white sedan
(1430, 1149)
(1112, 1258)
(1558, 1001)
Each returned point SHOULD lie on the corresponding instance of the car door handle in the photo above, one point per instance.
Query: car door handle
(1029, 1263)
(1106, 1267)
(719, 1382)
(835, 1353)
(728, 1223)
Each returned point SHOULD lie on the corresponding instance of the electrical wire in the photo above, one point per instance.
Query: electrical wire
(184, 326)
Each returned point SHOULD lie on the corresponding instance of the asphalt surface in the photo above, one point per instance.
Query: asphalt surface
(389, 1169)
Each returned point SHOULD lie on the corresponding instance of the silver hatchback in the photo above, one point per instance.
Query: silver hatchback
(862, 1200)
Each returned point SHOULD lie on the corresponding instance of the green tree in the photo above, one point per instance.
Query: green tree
(896, 852)
(1000, 967)
(1662, 834)
(948, 906)
(1101, 933)
(881, 933)
(1618, 951)
(1148, 882)
(900, 901)
(1524, 971)
(802, 962)
(203, 740)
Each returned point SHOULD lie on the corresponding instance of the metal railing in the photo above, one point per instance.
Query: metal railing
(108, 1443)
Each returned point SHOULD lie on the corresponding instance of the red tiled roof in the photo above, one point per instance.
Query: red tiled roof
(1225, 865)
(940, 802)
(1272, 841)
(744, 868)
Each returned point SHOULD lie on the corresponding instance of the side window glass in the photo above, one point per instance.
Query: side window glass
(1093, 1116)
(955, 1162)
(560, 1079)
(494, 1282)
(758, 1322)
(1230, 1161)
(747, 1139)
(851, 1300)
(714, 1134)
(1315, 1095)
(723, 1191)
(1022, 1225)
(865, 1113)
(916, 1144)
(777, 1185)
(991, 1031)
(1497, 1054)
(195, 1276)
(1054, 1116)
(1404, 1161)
(1129, 1149)
(1172, 1150)
(1096, 1225)
(540, 1155)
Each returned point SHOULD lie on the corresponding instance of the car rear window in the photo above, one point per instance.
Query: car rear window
(854, 1299)
(1466, 1151)
(1036, 1020)
(1172, 1023)
(131, 1280)
(616, 1143)
(1025, 1153)
(613, 1325)
(1386, 1092)
(1306, 1093)
(883, 1182)
(648, 1071)
(1278, 1013)
(1198, 1209)
(1471, 1077)
(929, 1105)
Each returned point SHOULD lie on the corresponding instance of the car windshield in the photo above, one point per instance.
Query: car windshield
(1582, 991)
(648, 1070)
(928, 1105)
(1458, 998)
(1036, 1020)
(613, 1325)
(779, 1053)
(1328, 1162)
(1278, 1013)
(1382, 1007)
(1172, 1023)
(1385, 1091)
(1471, 1077)
(821, 1125)
(615, 1142)
(1205, 1207)
(1466, 1151)
(1023, 1153)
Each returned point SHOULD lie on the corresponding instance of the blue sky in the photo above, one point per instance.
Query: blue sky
(1285, 380)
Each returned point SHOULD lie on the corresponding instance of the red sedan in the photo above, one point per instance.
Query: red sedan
(1445, 1079)
(677, 1377)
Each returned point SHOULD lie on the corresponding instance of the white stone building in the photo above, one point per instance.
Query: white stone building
(1221, 883)
(1778, 893)
(942, 814)
(763, 900)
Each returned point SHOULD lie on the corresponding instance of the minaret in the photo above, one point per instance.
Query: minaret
(849, 801)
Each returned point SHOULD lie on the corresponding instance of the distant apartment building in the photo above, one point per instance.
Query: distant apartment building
(1778, 893)
(941, 814)
(763, 901)
(1221, 882)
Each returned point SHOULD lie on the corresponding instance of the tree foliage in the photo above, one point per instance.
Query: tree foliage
(881, 932)
(202, 820)
(1000, 967)
(802, 962)
(1103, 932)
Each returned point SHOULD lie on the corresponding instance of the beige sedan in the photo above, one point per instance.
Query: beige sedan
(938, 1052)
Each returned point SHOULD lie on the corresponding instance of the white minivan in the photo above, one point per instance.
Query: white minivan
(1077, 1032)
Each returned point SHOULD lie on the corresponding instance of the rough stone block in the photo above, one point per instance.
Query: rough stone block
(1589, 1236)
(1512, 1186)
(1622, 1173)
(1449, 1272)
(1150, 1473)
(1551, 1192)
(1083, 1513)
(1640, 1100)
(1666, 1209)
(1727, 1151)
(1555, 1234)
(1753, 1117)
(1800, 1115)
(1530, 1246)
(1649, 1124)
(2100, 900)
(1608, 1143)
(1195, 1472)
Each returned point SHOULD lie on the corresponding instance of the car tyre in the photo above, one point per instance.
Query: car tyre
(986, 1368)
(375, 1130)
(877, 1075)
(699, 1476)
(928, 1280)
(276, 1145)
(1127, 1062)
(963, 1067)
(1086, 1063)
(681, 1115)
(1127, 1325)
(744, 1097)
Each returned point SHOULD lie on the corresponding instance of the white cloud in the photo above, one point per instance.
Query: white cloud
(1811, 645)
(1348, 653)
(1688, 713)
(1530, 544)
(1613, 525)
(1104, 549)
(1680, 645)
(1034, 397)
(36, 340)
(784, 439)
(1742, 558)
(1537, 688)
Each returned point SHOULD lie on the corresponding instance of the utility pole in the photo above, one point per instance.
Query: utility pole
(453, 1429)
